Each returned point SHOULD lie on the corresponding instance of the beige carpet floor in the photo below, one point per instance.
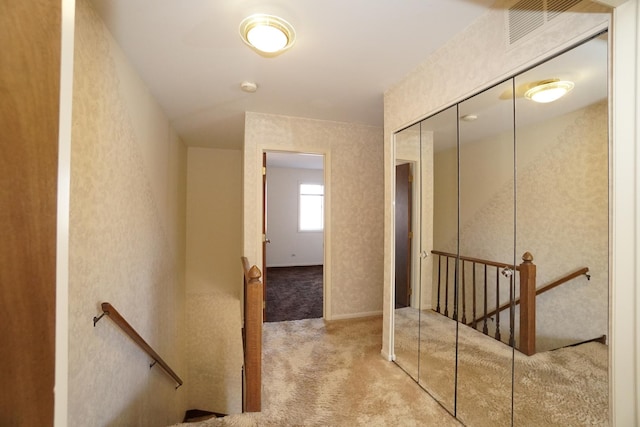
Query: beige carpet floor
(566, 387)
(318, 373)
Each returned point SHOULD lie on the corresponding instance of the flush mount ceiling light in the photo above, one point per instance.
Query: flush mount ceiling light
(267, 34)
(249, 87)
(549, 90)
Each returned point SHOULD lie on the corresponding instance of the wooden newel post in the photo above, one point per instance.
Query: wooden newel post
(253, 340)
(527, 305)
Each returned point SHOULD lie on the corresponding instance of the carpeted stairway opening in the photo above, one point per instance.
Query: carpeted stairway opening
(197, 415)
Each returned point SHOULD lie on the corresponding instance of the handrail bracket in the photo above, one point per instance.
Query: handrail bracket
(96, 319)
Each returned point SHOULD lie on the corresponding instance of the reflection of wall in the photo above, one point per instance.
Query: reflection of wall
(562, 219)
(354, 199)
(446, 200)
(445, 219)
(561, 216)
(426, 217)
(290, 247)
(444, 78)
(126, 246)
(407, 144)
(417, 147)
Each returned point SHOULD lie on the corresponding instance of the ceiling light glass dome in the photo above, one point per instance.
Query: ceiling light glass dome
(549, 90)
(267, 34)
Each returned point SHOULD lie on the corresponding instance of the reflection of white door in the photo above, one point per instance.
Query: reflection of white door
(426, 191)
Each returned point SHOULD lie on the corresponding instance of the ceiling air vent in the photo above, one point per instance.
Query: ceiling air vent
(556, 7)
(524, 17)
(527, 16)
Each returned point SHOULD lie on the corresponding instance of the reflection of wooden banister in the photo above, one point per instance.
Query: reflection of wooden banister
(528, 293)
(117, 318)
(543, 289)
(252, 337)
(527, 270)
(527, 299)
(476, 260)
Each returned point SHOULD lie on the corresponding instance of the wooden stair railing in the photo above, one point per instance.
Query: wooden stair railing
(527, 305)
(527, 299)
(545, 288)
(252, 338)
(109, 310)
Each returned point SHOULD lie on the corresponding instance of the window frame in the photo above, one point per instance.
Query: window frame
(300, 204)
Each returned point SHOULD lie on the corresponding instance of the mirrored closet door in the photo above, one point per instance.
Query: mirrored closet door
(562, 221)
(486, 257)
(439, 232)
(407, 260)
(502, 312)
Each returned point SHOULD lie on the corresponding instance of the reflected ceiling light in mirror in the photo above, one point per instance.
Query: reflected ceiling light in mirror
(549, 90)
(268, 35)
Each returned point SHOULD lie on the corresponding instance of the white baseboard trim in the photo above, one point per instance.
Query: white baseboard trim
(356, 315)
(388, 357)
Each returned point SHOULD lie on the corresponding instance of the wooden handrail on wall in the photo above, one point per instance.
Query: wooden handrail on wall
(252, 337)
(109, 310)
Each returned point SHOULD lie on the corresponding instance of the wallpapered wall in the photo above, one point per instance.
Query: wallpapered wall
(213, 279)
(354, 188)
(127, 227)
(445, 77)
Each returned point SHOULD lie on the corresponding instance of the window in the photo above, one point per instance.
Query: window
(311, 213)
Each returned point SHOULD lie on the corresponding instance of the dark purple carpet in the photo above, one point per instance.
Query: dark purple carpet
(294, 293)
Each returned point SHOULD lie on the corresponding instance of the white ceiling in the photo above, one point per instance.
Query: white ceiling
(347, 53)
(295, 160)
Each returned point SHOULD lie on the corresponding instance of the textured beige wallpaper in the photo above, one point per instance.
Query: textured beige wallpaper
(127, 228)
(354, 168)
(214, 279)
(214, 217)
(471, 61)
(215, 354)
(562, 215)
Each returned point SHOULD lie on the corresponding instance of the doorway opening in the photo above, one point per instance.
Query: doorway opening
(404, 235)
(293, 236)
